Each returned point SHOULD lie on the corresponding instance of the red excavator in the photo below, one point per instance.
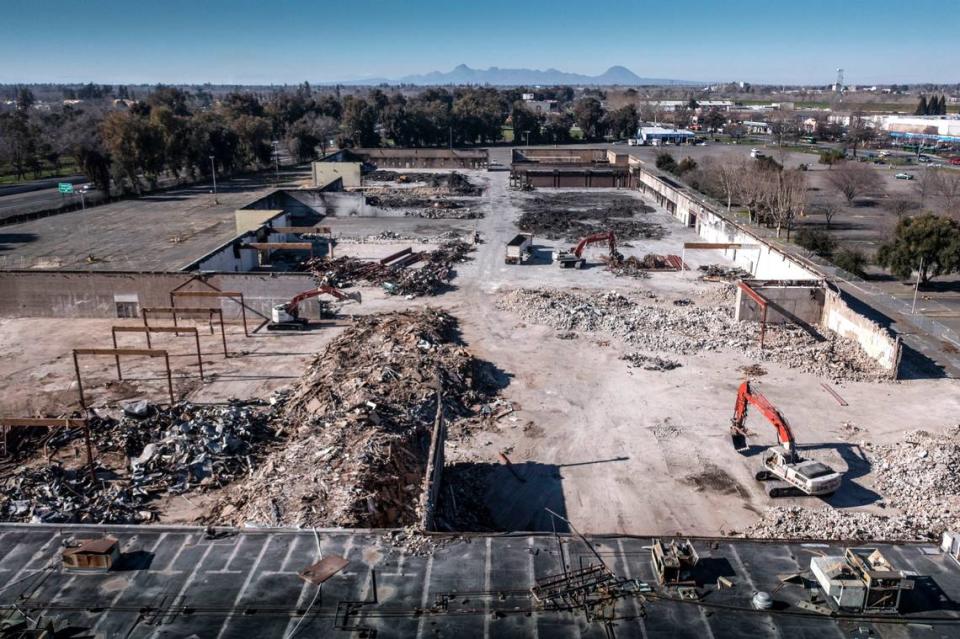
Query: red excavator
(574, 257)
(286, 317)
(782, 466)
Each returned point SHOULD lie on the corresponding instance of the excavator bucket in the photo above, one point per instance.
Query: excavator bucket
(739, 439)
(355, 296)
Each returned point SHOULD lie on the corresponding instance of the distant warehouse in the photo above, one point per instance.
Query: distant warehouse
(656, 135)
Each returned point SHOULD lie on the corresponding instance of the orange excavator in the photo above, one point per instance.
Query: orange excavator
(788, 474)
(286, 317)
(574, 257)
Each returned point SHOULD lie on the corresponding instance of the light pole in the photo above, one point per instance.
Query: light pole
(213, 172)
(276, 158)
(916, 288)
(526, 136)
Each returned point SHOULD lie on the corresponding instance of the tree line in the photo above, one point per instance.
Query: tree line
(933, 106)
(174, 133)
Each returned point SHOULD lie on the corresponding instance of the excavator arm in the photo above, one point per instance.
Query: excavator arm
(738, 433)
(608, 237)
(292, 306)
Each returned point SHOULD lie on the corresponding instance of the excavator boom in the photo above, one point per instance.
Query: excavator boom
(738, 433)
(292, 305)
(608, 237)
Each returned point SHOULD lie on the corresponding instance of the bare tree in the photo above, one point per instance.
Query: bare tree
(853, 180)
(828, 210)
(789, 198)
(900, 206)
(946, 185)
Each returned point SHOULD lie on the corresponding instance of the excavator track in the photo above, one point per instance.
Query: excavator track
(777, 489)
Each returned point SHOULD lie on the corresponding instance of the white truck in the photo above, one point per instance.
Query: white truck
(519, 249)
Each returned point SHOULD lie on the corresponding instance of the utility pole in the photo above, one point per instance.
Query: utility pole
(450, 136)
(213, 172)
(276, 158)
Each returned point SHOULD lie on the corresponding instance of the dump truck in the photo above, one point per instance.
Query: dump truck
(519, 249)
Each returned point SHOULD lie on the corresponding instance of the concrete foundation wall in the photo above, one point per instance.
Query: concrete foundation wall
(326, 172)
(93, 294)
(763, 262)
(424, 158)
(878, 342)
(787, 304)
(767, 263)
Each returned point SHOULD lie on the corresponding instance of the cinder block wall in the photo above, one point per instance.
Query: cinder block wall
(788, 303)
(94, 294)
(876, 340)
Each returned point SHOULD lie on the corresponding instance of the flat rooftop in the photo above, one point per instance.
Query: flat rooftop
(176, 582)
(160, 232)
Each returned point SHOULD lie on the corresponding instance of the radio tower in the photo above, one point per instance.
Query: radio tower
(838, 87)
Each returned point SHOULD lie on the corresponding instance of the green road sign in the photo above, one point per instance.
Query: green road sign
(65, 187)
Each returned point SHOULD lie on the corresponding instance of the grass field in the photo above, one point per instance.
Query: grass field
(68, 167)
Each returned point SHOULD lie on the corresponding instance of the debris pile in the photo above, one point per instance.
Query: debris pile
(659, 326)
(627, 267)
(570, 216)
(428, 276)
(171, 451)
(639, 266)
(720, 273)
(919, 479)
(649, 362)
(188, 446)
(361, 420)
(54, 494)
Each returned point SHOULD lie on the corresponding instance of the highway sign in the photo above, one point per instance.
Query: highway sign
(65, 187)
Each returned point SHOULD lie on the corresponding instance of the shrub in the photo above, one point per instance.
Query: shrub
(817, 241)
(851, 260)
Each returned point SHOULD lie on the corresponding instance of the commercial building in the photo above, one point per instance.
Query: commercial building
(657, 135)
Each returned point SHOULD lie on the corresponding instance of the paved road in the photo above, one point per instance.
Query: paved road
(42, 200)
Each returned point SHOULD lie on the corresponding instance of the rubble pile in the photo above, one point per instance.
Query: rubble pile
(919, 479)
(54, 494)
(361, 419)
(171, 451)
(427, 277)
(627, 267)
(572, 216)
(649, 362)
(718, 272)
(662, 327)
(188, 446)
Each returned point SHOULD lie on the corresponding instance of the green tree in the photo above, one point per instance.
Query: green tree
(359, 125)
(851, 260)
(928, 244)
(588, 113)
(526, 123)
(921, 106)
(713, 120)
(623, 122)
(665, 162)
(81, 136)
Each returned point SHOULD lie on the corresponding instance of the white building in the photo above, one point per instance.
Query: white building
(657, 135)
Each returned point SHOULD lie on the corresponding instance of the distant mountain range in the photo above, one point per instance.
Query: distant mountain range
(462, 74)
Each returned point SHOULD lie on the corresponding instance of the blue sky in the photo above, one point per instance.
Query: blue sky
(288, 41)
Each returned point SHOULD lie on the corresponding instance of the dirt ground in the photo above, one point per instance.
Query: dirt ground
(613, 448)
